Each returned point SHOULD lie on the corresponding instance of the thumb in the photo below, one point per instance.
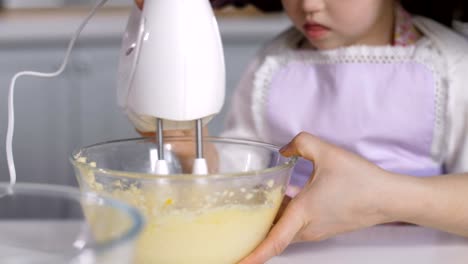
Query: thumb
(303, 145)
(280, 236)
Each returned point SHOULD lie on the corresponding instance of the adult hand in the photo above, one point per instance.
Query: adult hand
(342, 195)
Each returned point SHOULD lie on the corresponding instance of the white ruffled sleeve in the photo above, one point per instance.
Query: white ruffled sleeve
(455, 51)
(457, 117)
(239, 119)
(245, 118)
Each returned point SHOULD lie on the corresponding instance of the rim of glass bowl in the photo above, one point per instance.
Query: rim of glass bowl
(71, 193)
(138, 175)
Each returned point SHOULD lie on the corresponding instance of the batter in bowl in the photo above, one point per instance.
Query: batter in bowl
(199, 224)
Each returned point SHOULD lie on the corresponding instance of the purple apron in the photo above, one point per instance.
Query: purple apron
(384, 112)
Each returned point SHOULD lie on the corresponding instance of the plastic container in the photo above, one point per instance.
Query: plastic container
(58, 224)
(215, 218)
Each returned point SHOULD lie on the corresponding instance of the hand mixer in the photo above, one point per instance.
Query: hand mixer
(171, 72)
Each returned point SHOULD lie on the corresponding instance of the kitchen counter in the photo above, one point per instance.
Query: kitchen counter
(381, 245)
(377, 245)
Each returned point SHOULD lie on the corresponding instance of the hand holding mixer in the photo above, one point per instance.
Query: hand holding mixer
(171, 72)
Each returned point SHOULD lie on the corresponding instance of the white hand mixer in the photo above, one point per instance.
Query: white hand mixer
(171, 72)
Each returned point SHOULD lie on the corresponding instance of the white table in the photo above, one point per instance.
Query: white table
(381, 245)
(392, 244)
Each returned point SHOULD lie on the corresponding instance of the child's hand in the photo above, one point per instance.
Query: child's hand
(342, 196)
(172, 133)
(139, 3)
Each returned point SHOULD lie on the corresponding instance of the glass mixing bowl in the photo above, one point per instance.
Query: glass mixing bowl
(217, 218)
(45, 224)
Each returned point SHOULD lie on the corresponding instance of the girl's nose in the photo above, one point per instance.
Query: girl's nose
(313, 6)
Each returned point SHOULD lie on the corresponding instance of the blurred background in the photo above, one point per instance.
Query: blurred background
(56, 116)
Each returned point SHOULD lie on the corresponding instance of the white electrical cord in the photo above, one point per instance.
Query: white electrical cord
(11, 114)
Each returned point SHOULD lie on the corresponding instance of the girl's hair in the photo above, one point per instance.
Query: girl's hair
(264, 5)
(443, 11)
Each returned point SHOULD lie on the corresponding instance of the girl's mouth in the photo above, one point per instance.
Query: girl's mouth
(315, 30)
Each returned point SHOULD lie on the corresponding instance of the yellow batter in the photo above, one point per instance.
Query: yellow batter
(221, 235)
(217, 233)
